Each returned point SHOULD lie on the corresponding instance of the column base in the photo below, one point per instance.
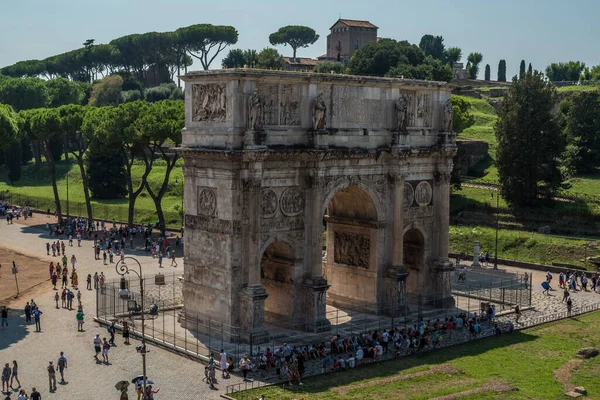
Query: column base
(252, 314)
(442, 287)
(315, 295)
(394, 303)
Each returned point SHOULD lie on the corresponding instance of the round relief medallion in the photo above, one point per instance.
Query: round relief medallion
(207, 202)
(423, 193)
(409, 194)
(268, 203)
(291, 202)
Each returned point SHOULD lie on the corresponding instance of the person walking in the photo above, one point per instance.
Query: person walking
(47, 248)
(96, 278)
(27, 312)
(97, 345)
(160, 260)
(62, 365)
(35, 395)
(88, 282)
(105, 349)
(4, 316)
(569, 306)
(36, 316)
(56, 298)
(104, 256)
(126, 332)
(51, 269)
(54, 280)
(6, 373)
(15, 375)
(80, 320)
(517, 314)
(111, 331)
(223, 362)
(51, 377)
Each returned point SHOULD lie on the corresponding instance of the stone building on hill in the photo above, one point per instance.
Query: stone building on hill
(347, 36)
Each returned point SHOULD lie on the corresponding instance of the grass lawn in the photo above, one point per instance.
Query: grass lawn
(524, 359)
(35, 189)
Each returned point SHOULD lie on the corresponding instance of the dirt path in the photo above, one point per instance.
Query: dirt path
(488, 387)
(31, 272)
(564, 372)
(436, 369)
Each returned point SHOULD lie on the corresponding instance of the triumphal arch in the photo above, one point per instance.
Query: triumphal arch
(303, 190)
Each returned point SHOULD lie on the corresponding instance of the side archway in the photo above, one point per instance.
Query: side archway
(414, 251)
(277, 273)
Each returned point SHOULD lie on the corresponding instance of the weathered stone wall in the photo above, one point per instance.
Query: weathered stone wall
(470, 152)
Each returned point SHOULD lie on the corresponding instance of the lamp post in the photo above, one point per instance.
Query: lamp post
(182, 193)
(123, 269)
(67, 194)
(497, 224)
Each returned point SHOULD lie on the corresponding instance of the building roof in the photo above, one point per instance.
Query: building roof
(301, 61)
(322, 57)
(355, 23)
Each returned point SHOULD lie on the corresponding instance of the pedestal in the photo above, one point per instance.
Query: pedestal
(252, 314)
(395, 286)
(476, 255)
(255, 140)
(315, 294)
(442, 284)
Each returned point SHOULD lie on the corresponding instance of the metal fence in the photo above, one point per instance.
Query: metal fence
(244, 390)
(495, 286)
(201, 335)
(118, 210)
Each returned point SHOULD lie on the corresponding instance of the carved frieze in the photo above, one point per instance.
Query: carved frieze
(424, 109)
(282, 224)
(405, 111)
(423, 193)
(270, 99)
(209, 103)
(268, 203)
(378, 183)
(213, 225)
(289, 106)
(409, 194)
(256, 112)
(207, 201)
(413, 213)
(292, 202)
(352, 249)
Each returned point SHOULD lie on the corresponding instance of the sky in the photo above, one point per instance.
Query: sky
(539, 31)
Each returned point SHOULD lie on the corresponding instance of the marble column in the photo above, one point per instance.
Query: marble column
(444, 215)
(252, 294)
(398, 220)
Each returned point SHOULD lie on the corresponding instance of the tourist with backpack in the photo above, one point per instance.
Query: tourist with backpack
(51, 377)
(62, 364)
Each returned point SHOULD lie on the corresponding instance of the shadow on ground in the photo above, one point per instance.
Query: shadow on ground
(17, 328)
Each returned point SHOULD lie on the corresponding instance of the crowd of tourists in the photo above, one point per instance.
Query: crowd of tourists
(11, 211)
(340, 353)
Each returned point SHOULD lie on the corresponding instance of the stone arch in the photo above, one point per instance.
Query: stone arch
(278, 266)
(414, 249)
(365, 189)
(355, 230)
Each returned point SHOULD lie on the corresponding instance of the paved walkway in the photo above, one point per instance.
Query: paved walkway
(177, 377)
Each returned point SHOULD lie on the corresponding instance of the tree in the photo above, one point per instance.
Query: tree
(296, 36)
(502, 71)
(78, 139)
(530, 69)
(431, 69)
(205, 41)
(530, 142)
(582, 129)
(106, 172)
(62, 91)
(570, 71)
(522, 69)
(487, 72)
(13, 161)
(251, 57)
(45, 124)
(161, 124)
(378, 58)
(433, 46)
(9, 125)
(327, 67)
(24, 94)
(453, 55)
(234, 59)
(269, 58)
(474, 59)
(107, 91)
(462, 117)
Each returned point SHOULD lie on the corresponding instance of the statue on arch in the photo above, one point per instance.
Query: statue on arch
(319, 111)
(448, 117)
(402, 112)
(255, 122)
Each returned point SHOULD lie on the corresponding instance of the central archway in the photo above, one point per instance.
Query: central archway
(353, 235)
(414, 260)
(277, 277)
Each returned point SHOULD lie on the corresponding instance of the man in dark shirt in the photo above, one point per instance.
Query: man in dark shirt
(35, 395)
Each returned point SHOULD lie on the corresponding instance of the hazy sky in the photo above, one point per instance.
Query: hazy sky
(539, 31)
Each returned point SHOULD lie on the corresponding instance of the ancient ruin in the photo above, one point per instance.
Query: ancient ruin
(274, 159)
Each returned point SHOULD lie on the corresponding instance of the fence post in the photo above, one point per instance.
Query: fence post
(209, 334)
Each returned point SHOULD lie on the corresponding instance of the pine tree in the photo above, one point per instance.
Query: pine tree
(530, 143)
(502, 71)
(487, 72)
(522, 69)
